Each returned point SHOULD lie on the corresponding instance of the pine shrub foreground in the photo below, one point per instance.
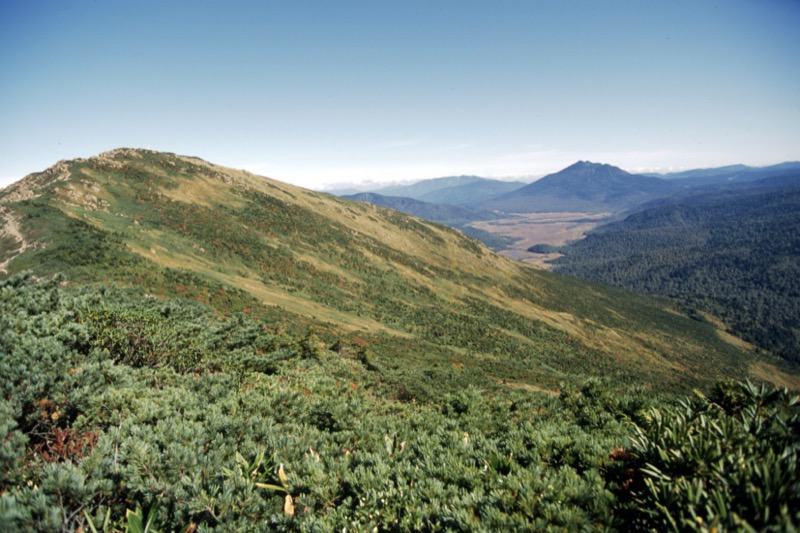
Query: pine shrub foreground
(130, 413)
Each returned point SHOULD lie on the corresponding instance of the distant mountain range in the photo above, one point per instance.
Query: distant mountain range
(581, 187)
(456, 190)
(730, 174)
(452, 215)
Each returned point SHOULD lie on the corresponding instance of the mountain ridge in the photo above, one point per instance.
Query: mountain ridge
(174, 225)
(422, 187)
(457, 190)
(450, 214)
(565, 190)
(731, 173)
(463, 191)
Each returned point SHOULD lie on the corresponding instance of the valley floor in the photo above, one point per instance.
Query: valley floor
(540, 228)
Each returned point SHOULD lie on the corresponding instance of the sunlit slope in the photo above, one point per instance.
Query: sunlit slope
(423, 295)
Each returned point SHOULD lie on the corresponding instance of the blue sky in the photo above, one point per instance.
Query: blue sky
(317, 93)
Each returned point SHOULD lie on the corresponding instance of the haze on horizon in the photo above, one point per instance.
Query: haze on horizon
(316, 93)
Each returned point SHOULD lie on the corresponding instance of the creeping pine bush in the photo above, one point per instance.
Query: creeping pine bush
(728, 461)
(120, 412)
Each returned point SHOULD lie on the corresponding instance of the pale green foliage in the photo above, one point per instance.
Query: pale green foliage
(136, 414)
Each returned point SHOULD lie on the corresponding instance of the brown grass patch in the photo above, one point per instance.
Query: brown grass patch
(734, 340)
(268, 295)
(203, 191)
(768, 372)
(530, 387)
(540, 228)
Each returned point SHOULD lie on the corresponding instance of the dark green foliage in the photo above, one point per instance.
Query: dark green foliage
(733, 254)
(726, 462)
(544, 249)
(86, 250)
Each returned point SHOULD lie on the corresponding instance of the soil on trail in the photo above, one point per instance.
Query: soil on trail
(10, 231)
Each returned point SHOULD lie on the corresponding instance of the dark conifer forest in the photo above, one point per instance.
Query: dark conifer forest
(731, 253)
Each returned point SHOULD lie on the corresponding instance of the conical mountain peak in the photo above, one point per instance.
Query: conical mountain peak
(589, 168)
(583, 187)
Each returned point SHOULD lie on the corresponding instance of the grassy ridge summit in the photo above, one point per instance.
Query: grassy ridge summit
(437, 309)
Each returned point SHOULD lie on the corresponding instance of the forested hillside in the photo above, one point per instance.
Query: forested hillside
(732, 253)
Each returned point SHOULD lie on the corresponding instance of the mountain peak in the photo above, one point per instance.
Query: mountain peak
(583, 186)
(589, 167)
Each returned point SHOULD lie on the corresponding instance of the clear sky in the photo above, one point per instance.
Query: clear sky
(320, 92)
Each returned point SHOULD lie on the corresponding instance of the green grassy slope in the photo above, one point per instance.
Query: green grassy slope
(436, 308)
